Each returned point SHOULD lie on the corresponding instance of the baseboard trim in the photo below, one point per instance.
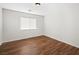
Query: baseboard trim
(20, 39)
(62, 41)
(52, 37)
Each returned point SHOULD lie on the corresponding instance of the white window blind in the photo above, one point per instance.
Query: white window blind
(28, 23)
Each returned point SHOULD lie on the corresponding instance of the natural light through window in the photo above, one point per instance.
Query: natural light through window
(27, 23)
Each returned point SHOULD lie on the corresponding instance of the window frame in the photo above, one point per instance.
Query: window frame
(29, 26)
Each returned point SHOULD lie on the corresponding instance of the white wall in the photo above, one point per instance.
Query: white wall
(62, 23)
(12, 25)
(0, 25)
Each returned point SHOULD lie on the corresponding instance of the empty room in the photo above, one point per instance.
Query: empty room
(39, 28)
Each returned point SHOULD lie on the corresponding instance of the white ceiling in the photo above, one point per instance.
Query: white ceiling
(39, 10)
(25, 7)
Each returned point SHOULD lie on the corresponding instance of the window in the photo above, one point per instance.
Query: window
(28, 23)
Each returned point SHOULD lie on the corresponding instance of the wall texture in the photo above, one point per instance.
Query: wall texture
(62, 23)
(0, 26)
(12, 25)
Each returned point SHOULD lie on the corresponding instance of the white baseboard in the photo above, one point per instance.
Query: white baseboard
(67, 42)
(20, 38)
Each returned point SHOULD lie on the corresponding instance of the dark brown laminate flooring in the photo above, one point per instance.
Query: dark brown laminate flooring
(40, 45)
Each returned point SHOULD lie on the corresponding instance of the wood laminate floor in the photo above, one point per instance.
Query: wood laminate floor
(40, 45)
